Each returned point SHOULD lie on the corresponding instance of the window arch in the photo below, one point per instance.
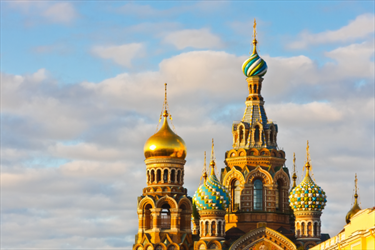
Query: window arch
(236, 195)
(158, 175)
(241, 134)
(178, 176)
(152, 176)
(257, 134)
(315, 229)
(165, 216)
(303, 229)
(165, 175)
(147, 216)
(173, 173)
(258, 195)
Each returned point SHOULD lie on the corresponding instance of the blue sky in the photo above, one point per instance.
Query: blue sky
(83, 85)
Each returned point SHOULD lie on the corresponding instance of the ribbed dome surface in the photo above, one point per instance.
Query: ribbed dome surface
(211, 195)
(307, 195)
(254, 66)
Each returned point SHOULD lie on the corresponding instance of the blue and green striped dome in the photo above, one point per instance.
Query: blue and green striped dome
(211, 195)
(254, 66)
(307, 195)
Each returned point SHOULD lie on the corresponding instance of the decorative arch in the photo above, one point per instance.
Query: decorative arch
(264, 151)
(259, 173)
(281, 175)
(139, 246)
(162, 245)
(214, 242)
(146, 200)
(201, 245)
(274, 153)
(185, 201)
(232, 153)
(241, 152)
(173, 246)
(231, 175)
(254, 152)
(263, 236)
(166, 199)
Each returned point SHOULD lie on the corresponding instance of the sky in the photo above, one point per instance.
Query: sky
(82, 88)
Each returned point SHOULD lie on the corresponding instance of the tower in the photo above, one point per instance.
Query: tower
(254, 172)
(355, 209)
(307, 201)
(211, 200)
(164, 209)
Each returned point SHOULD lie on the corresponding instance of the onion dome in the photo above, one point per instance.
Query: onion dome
(254, 65)
(211, 195)
(355, 209)
(165, 143)
(307, 195)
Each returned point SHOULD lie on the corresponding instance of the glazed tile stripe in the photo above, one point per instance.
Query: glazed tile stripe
(254, 66)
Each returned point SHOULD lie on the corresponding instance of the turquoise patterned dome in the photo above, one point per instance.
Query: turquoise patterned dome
(307, 195)
(254, 66)
(211, 195)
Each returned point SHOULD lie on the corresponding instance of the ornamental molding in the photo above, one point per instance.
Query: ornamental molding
(260, 173)
(280, 174)
(203, 213)
(233, 174)
(307, 213)
(154, 160)
(167, 198)
(265, 232)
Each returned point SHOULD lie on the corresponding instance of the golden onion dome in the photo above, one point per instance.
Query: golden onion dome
(355, 209)
(165, 143)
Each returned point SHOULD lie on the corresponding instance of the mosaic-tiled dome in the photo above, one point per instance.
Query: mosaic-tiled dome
(307, 195)
(211, 195)
(254, 65)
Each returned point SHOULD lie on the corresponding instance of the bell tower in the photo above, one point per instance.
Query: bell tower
(164, 209)
(255, 174)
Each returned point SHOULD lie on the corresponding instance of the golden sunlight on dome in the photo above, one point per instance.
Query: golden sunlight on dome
(165, 143)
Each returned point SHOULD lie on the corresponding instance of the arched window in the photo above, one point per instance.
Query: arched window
(183, 223)
(309, 229)
(158, 175)
(147, 216)
(219, 225)
(165, 175)
(251, 88)
(258, 195)
(152, 176)
(315, 229)
(303, 229)
(202, 229)
(206, 229)
(236, 195)
(213, 228)
(257, 134)
(255, 88)
(241, 134)
(165, 216)
(173, 173)
(178, 176)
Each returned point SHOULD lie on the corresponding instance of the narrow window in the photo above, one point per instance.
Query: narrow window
(158, 175)
(257, 134)
(165, 176)
(258, 195)
(152, 176)
(236, 193)
(173, 173)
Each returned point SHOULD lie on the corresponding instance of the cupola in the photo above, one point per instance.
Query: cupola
(355, 209)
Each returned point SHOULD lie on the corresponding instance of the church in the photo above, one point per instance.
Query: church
(254, 204)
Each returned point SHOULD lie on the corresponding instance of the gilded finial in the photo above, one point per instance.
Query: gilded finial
(165, 111)
(255, 37)
(212, 161)
(204, 171)
(294, 171)
(356, 186)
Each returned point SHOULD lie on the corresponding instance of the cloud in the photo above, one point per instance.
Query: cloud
(361, 27)
(195, 38)
(122, 54)
(61, 12)
(73, 154)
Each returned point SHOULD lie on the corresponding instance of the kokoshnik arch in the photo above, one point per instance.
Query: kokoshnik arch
(251, 205)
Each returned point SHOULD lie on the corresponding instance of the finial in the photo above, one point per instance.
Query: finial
(356, 186)
(294, 171)
(204, 171)
(255, 37)
(165, 110)
(212, 161)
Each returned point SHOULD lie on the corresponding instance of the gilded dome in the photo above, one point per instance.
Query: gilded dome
(211, 195)
(165, 143)
(307, 195)
(355, 209)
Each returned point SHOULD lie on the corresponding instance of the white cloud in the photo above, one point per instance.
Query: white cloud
(121, 54)
(62, 12)
(361, 27)
(195, 38)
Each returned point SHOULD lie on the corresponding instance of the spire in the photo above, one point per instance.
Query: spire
(255, 37)
(204, 170)
(308, 160)
(165, 111)
(355, 207)
(212, 161)
(356, 188)
(294, 171)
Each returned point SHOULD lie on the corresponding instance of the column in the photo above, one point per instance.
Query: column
(217, 227)
(175, 213)
(169, 175)
(155, 212)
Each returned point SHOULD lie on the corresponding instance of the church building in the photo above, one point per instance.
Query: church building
(251, 205)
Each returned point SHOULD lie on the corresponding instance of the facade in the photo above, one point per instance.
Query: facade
(251, 205)
(359, 232)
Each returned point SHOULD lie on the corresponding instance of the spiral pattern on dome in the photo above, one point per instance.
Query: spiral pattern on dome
(254, 66)
(307, 196)
(211, 195)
